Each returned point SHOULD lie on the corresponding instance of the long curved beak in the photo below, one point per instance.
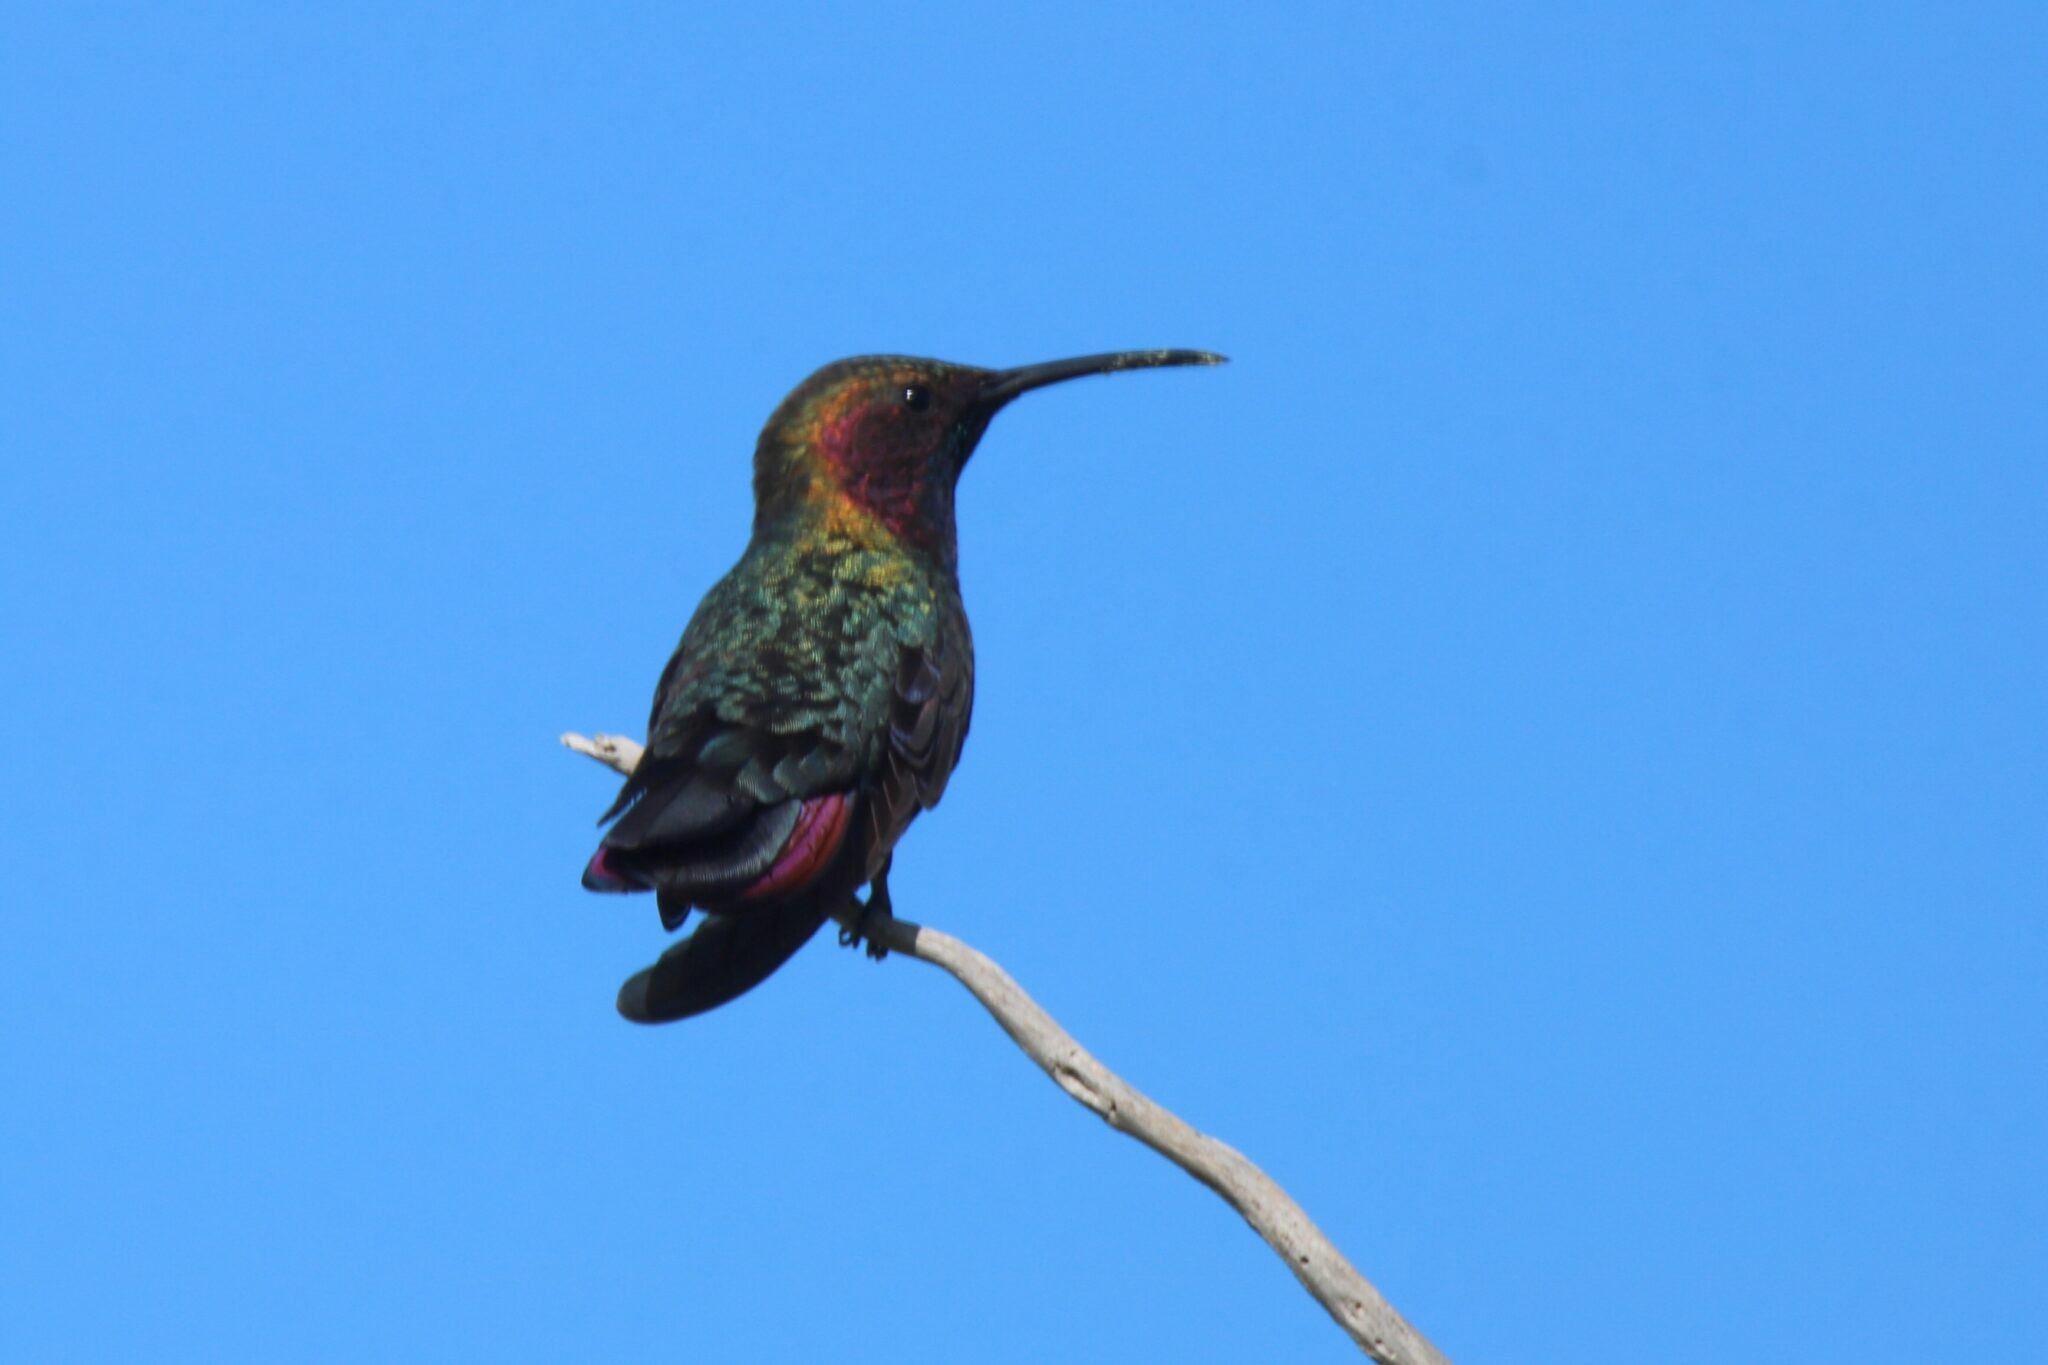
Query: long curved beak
(1003, 385)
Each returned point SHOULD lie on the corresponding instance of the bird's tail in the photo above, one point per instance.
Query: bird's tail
(724, 958)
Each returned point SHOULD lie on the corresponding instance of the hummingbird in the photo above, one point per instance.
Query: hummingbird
(820, 696)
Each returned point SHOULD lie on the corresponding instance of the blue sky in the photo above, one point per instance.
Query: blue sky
(1545, 752)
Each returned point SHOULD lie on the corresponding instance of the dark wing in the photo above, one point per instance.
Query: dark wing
(930, 705)
(706, 817)
(703, 824)
(802, 686)
(708, 828)
(766, 702)
(708, 812)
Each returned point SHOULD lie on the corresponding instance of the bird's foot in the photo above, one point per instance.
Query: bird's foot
(871, 919)
(874, 913)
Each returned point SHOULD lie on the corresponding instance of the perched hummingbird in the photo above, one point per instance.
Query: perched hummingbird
(820, 695)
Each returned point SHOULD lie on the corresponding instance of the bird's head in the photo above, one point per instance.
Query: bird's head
(887, 436)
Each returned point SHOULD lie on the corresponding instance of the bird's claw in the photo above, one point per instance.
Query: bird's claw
(874, 912)
(872, 917)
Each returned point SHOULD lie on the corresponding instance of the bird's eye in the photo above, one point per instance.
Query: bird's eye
(917, 396)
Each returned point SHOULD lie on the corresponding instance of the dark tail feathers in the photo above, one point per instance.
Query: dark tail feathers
(724, 958)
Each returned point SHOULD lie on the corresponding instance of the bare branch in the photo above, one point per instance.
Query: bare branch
(1334, 1282)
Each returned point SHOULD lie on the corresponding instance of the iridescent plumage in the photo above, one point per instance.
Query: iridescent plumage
(821, 693)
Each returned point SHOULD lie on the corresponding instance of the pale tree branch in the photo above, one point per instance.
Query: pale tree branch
(1334, 1282)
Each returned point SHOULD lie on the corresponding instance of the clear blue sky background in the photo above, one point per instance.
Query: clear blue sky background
(1545, 751)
